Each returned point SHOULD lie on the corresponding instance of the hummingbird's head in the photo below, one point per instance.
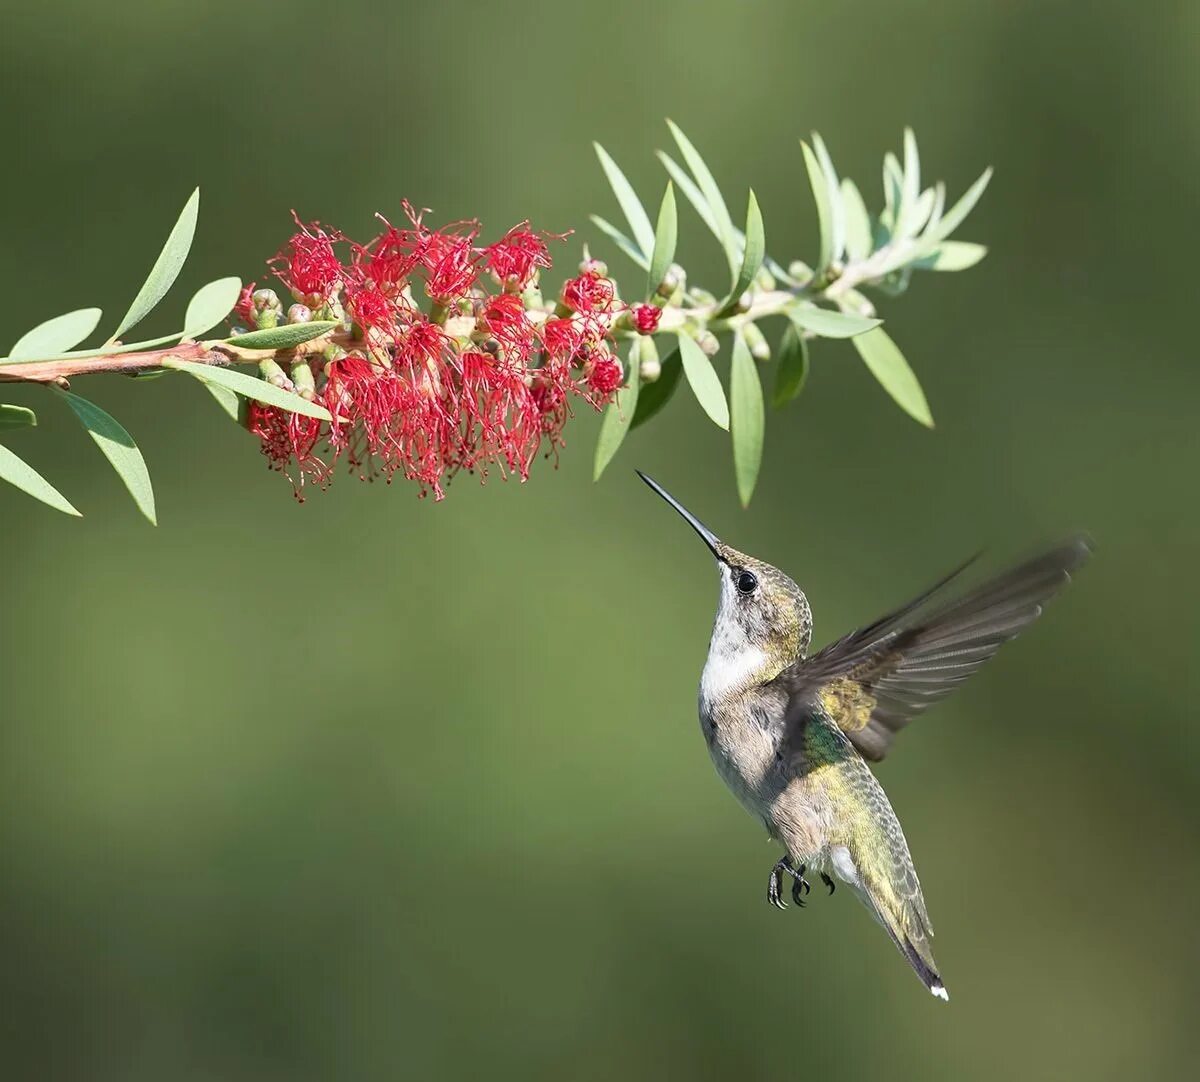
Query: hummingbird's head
(760, 607)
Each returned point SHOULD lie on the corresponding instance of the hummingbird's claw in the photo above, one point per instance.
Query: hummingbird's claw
(775, 888)
(828, 882)
(800, 885)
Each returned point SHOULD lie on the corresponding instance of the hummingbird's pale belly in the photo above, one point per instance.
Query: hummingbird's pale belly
(744, 747)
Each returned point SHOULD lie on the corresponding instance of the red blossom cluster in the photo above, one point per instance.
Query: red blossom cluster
(448, 360)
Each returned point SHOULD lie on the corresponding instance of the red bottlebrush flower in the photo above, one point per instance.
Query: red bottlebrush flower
(389, 259)
(451, 265)
(605, 374)
(244, 309)
(589, 294)
(517, 256)
(308, 266)
(507, 321)
(646, 317)
(562, 337)
(286, 436)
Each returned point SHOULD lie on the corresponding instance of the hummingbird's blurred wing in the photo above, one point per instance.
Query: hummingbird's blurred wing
(875, 680)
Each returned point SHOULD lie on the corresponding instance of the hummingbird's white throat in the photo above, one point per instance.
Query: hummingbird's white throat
(734, 662)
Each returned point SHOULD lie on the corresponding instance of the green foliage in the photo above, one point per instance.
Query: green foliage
(619, 416)
(249, 387)
(857, 252)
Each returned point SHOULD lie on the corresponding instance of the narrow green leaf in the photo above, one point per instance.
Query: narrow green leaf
(249, 386)
(694, 196)
(653, 396)
(829, 324)
(792, 372)
(118, 447)
(710, 190)
(55, 336)
(939, 207)
(858, 222)
(618, 418)
(166, 267)
(211, 304)
(893, 184)
(665, 237)
(954, 217)
(833, 189)
(16, 471)
(620, 240)
(285, 337)
(910, 188)
(820, 190)
(631, 205)
(952, 255)
(747, 418)
(752, 256)
(887, 364)
(16, 417)
(703, 380)
(226, 399)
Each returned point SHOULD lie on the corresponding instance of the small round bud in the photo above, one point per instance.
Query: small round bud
(302, 380)
(800, 271)
(760, 348)
(707, 341)
(744, 302)
(594, 266)
(274, 375)
(674, 280)
(299, 313)
(765, 280)
(263, 299)
(649, 368)
(703, 297)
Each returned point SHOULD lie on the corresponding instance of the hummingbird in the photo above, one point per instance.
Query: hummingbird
(791, 734)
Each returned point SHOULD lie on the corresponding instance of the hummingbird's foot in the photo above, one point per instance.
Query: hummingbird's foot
(775, 886)
(800, 885)
(828, 882)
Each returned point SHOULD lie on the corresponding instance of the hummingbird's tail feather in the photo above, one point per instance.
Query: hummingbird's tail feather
(913, 943)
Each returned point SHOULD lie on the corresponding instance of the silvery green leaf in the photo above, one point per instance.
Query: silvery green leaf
(833, 188)
(887, 364)
(16, 417)
(858, 222)
(703, 379)
(210, 305)
(910, 188)
(226, 399)
(249, 387)
(792, 372)
(954, 217)
(55, 336)
(918, 217)
(118, 447)
(166, 268)
(830, 324)
(653, 396)
(285, 336)
(711, 192)
(752, 256)
(747, 418)
(16, 471)
(821, 195)
(620, 240)
(893, 185)
(618, 418)
(665, 236)
(631, 205)
(952, 255)
(694, 196)
(939, 206)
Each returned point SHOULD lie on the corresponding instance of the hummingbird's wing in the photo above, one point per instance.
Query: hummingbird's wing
(875, 680)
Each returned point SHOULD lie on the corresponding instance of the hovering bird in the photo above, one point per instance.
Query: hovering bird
(791, 734)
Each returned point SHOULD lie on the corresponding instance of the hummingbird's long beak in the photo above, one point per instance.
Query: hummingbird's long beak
(706, 535)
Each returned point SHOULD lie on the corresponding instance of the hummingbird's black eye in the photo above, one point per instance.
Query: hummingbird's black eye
(746, 583)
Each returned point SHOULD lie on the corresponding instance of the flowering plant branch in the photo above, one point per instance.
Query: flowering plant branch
(424, 351)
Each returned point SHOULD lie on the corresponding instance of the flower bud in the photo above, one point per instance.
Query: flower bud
(302, 380)
(765, 280)
(645, 318)
(649, 368)
(273, 374)
(299, 313)
(673, 282)
(594, 266)
(707, 341)
(760, 348)
(800, 271)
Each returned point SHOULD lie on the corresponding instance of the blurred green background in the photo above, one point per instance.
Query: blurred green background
(373, 788)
